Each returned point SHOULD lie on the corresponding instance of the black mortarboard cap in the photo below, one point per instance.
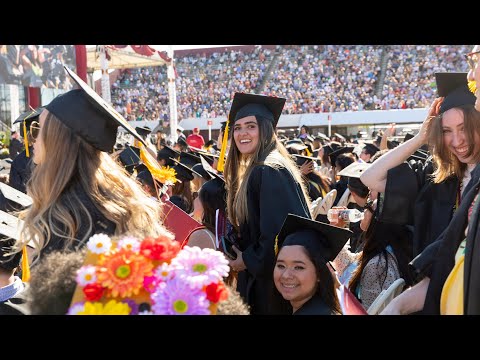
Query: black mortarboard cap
(130, 157)
(189, 159)
(224, 125)
(328, 240)
(208, 156)
(143, 130)
(184, 172)
(89, 116)
(244, 105)
(29, 116)
(12, 199)
(182, 142)
(407, 137)
(354, 170)
(343, 150)
(372, 149)
(210, 170)
(200, 170)
(296, 145)
(323, 136)
(10, 226)
(8, 259)
(335, 145)
(301, 159)
(145, 177)
(454, 87)
(141, 167)
(166, 153)
(392, 144)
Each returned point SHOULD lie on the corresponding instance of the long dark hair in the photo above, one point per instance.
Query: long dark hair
(377, 237)
(213, 196)
(326, 286)
(446, 163)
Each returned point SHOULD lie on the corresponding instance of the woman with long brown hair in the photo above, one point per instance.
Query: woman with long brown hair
(263, 186)
(77, 189)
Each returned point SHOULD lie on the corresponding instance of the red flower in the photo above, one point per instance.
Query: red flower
(216, 292)
(161, 248)
(93, 291)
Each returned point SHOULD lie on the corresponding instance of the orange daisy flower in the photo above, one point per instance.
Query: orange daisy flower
(122, 271)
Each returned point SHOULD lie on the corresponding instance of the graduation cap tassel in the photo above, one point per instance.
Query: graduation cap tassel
(25, 137)
(472, 86)
(158, 173)
(221, 160)
(25, 265)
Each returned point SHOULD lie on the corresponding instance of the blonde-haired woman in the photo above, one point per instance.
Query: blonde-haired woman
(77, 188)
(263, 186)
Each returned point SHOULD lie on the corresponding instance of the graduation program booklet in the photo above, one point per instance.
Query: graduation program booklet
(349, 303)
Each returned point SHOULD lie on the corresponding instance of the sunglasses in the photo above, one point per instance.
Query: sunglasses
(34, 129)
(471, 63)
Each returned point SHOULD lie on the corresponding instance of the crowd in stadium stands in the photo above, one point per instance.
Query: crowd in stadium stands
(313, 78)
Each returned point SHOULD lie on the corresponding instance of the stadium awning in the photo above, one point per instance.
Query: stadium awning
(127, 56)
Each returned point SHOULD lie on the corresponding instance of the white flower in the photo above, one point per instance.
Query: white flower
(86, 275)
(129, 242)
(99, 244)
(164, 272)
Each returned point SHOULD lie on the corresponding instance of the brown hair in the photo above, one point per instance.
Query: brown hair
(446, 163)
(72, 162)
(239, 167)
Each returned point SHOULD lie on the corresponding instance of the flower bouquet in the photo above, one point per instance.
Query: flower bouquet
(153, 276)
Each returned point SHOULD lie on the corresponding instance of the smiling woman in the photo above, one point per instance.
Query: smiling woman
(263, 186)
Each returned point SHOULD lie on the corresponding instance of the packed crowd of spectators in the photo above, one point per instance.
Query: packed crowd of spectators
(313, 78)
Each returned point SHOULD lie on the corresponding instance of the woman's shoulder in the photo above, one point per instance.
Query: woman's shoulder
(203, 238)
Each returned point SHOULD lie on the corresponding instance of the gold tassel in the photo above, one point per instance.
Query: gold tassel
(308, 152)
(158, 173)
(25, 265)
(472, 86)
(25, 137)
(221, 160)
(275, 247)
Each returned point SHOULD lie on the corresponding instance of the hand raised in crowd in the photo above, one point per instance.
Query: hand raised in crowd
(307, 167)
(390, 130)
(432, 113)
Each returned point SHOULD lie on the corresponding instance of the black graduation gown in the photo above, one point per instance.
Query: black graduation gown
(20, 171)
(314, 306)
(100, 224)
(438, 259)
(272, 193)
(15, 148)
(341, 186)
(411, 198)
(314, 186)
(471, 280)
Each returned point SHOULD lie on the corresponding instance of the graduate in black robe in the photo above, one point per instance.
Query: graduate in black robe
(21, 168)
(263, 185)
(20, 171)
(425, 193)
(77, 189)
(301, 273)
(437, 260)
